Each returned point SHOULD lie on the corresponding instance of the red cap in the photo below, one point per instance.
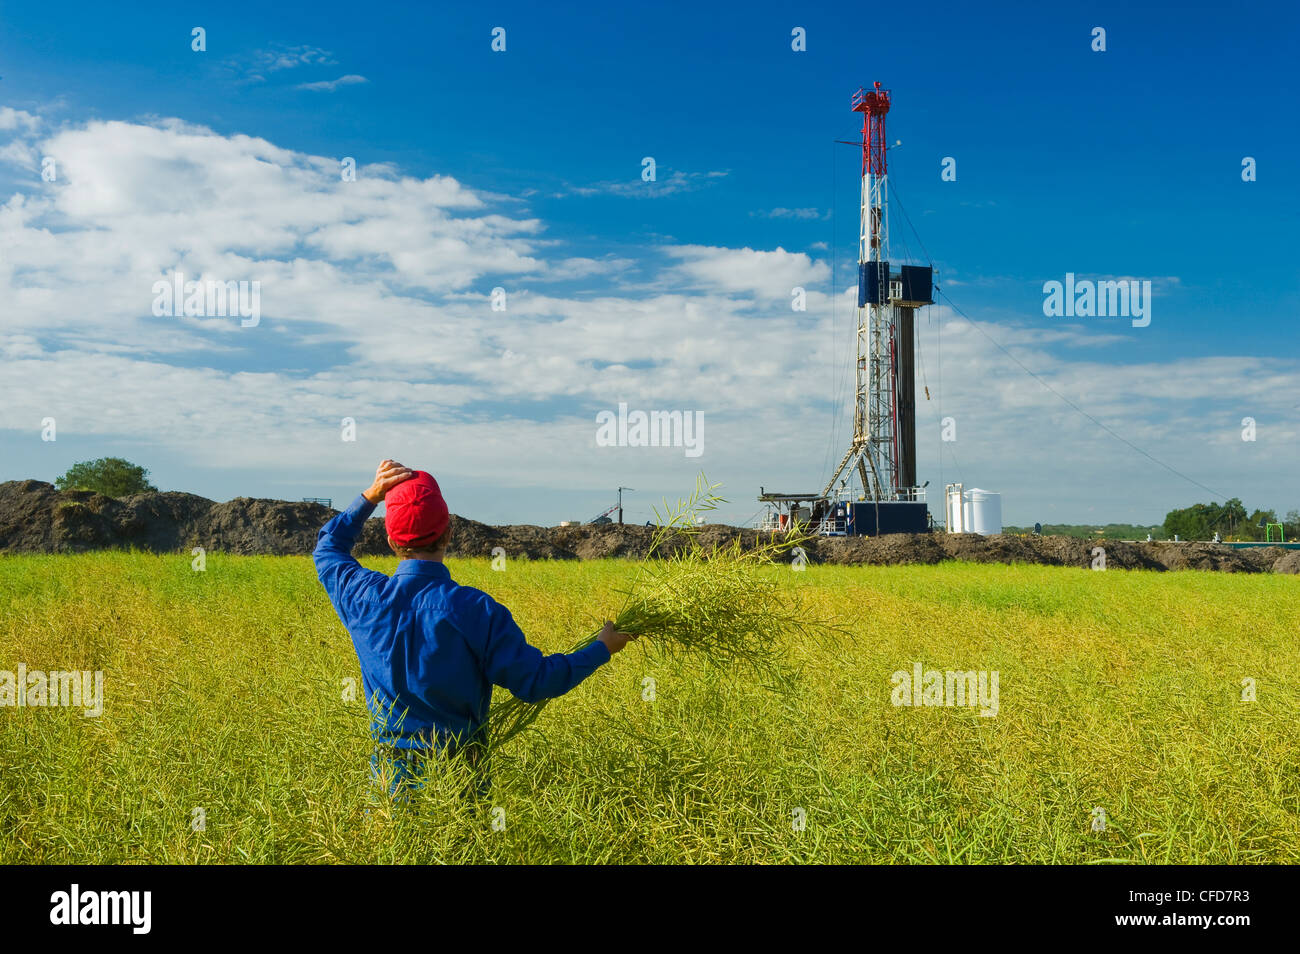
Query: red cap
(415, 514)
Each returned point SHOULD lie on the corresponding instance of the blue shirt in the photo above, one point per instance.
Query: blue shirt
(430, 648)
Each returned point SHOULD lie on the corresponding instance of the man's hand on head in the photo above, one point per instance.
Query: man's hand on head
(388, 476)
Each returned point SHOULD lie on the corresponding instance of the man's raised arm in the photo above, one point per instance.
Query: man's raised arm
(337, 568)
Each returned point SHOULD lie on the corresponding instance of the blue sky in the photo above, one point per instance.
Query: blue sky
(522, 169)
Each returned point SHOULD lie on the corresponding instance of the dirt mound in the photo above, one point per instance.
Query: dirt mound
(471, 538)
(1209, 556)
(998, 548)
(888, 550)
(37, 518)
(1289, 562)
(253, 525)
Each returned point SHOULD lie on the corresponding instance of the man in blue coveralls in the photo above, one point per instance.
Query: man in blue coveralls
(431, 650)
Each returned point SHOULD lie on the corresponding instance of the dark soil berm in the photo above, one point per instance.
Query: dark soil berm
(37, 518)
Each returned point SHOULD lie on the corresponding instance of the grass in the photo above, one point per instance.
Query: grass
(225, 691)
(719, 601)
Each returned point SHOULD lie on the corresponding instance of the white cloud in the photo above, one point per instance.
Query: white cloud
(17, 120)
(781, 213)
(376, 305)
(769, 275)
(288, 58)
(329, 86)
(636, 188)
(580, 267)
(254, 67)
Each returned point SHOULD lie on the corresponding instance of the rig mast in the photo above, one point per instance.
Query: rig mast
(875, 438)
(882, 453)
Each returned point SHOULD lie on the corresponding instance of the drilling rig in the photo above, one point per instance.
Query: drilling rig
(876, 477)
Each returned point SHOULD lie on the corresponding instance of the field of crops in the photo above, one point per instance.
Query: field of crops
(229, 733)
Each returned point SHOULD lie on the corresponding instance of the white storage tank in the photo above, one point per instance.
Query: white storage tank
(972, 511)
(983, 511)
(953, 512)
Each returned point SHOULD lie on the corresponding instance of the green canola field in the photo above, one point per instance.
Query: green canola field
(1111, 717)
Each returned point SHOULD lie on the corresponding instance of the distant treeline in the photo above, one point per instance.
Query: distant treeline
(1230, 521)
(1090, 531)
(1198, 522)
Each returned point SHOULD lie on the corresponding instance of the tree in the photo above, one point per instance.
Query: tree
(1229, 520)
(1187, 524)
(110, 476)
(1257, 524)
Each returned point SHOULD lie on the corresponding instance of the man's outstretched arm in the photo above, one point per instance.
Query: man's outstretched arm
(530, 675)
